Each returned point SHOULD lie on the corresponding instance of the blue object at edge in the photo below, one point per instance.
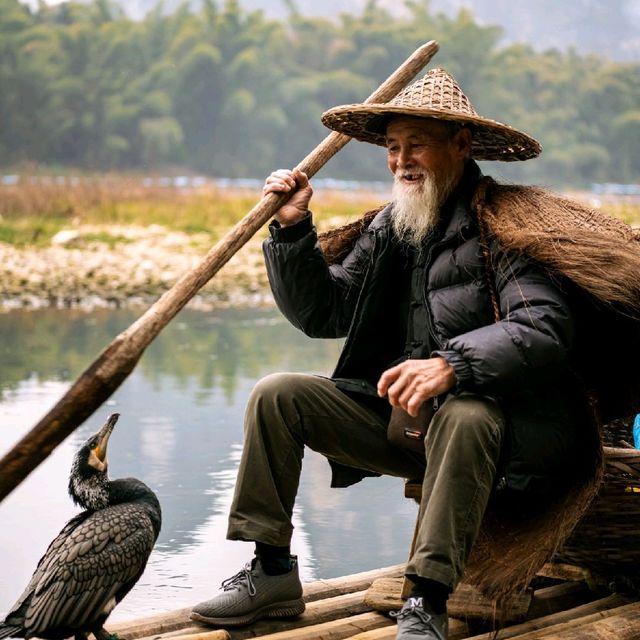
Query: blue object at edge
(636, 432)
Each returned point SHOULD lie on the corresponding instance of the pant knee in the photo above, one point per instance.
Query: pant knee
(468, 418)
(275, 388)
(275, 402)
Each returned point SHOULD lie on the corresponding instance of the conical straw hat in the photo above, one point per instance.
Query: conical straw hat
(436, 95)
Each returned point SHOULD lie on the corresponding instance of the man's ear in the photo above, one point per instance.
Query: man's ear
(462, 142)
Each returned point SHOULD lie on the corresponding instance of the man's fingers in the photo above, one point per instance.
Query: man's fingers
(281, 180)
(403, 384)
(413, 382)
(386, 379)
(405, 396)
(414, 403)
(300, 177)
(414, 396)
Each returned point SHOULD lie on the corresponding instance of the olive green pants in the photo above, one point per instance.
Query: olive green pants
(288, 411)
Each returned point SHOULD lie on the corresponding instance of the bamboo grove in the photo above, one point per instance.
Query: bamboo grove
(224, 91)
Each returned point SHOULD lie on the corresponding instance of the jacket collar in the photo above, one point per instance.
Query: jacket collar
(457, 218)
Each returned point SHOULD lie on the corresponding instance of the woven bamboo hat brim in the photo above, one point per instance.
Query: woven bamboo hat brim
(436, 95)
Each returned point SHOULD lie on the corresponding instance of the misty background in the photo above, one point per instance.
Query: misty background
(611, 28)
(236, 89)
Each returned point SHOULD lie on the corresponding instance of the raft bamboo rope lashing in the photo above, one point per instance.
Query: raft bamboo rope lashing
(119, 358)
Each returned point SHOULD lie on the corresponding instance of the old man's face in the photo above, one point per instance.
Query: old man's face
(427, 163)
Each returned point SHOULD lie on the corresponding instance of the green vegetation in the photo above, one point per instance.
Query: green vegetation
(626, 211)
(31, 214)
(227, 92)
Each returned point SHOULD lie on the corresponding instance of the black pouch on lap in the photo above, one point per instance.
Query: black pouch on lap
(407, 432)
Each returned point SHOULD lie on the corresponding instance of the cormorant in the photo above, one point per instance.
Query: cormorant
(97, 557)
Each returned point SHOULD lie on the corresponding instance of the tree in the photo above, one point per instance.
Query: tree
(229, 92)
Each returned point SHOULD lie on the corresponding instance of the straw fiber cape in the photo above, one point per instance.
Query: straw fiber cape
(601, 257)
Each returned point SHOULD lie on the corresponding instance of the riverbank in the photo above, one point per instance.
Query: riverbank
(117, 241)
(123, 240)
(96, 265)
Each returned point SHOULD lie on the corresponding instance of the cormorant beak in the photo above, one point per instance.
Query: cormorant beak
(103, 436)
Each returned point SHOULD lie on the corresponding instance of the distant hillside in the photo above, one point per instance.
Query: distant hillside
(611, 28)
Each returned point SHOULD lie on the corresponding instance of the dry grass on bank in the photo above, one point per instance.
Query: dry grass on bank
(32, 212)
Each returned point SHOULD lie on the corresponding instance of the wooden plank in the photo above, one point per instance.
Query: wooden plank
(151, 625)
(212, 634)
(318, 612)
(191, 629)
(466, 602)
(321, 589)
(349, 604)
(622, 625)
(413, 490)
(562, 571)
(166, 623)
(561, 596)
(334, 629)
(538, 624)
(458, 630)
(385, 633)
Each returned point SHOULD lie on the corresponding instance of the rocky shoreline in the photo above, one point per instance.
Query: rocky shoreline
(120, 266)
(115, 266)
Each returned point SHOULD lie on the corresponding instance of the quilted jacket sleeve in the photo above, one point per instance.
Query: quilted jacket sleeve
(317, 299)
(532, 341)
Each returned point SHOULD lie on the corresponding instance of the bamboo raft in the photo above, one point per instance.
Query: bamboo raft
(563, 602)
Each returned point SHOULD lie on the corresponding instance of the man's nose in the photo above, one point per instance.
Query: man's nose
(405, 158)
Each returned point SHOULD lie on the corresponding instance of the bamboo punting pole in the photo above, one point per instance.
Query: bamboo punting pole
(119, 358)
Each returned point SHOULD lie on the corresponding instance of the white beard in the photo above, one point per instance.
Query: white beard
(416, 207)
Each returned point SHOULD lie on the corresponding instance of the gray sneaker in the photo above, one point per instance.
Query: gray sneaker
(252, 594)
(414, 623)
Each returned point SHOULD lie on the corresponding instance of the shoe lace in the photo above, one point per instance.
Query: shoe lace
(421, 618)
(244, 576)
(411, 611)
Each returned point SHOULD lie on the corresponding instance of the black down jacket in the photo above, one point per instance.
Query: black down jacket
(523, 360)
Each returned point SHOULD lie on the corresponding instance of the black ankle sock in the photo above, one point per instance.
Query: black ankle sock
(434, 593)
(274, 560)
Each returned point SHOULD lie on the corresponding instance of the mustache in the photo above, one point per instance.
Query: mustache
(399, 174)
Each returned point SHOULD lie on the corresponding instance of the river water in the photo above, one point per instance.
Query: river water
(180, 431)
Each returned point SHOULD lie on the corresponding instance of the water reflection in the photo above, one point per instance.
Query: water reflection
(181, 432)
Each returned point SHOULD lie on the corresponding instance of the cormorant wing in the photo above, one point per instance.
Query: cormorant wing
(43, 566)
(88, 568)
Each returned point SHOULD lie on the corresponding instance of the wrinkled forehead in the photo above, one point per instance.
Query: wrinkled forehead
(403, 126)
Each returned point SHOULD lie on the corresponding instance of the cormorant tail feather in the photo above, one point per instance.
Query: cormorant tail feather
(10, 631)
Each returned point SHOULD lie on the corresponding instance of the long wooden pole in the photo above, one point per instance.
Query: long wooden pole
(119, 358)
